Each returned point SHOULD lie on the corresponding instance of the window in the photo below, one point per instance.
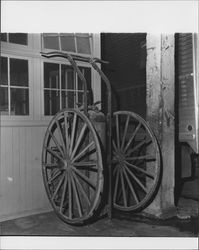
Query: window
(62, 88)
(71, 42)
(14, 86)
(17, 38)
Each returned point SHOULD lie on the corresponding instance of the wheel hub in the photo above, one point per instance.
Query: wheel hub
(120, 157)
(65, 164)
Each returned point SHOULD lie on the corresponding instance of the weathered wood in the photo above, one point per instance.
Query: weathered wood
(160, 115)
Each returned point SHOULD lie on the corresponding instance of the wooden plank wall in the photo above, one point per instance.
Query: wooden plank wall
(21, 185)
(161, 116)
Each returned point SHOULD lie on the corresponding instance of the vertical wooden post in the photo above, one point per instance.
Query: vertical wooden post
(160, 116)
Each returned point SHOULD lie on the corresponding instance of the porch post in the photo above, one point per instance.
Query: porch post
(160, 116)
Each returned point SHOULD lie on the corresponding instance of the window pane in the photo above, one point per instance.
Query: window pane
(51, 102)
(18, 38)
(51, 41)
(80, 98)
(67, 81)
(3, 71)
(68, 42)
(68, 99)
(19, 101)
(87, 74)
(4, 37)
(83, 45)
(51, 75)
(80, 85)
(4, 100)
(18, 72)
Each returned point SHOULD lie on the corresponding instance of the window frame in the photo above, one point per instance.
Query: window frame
(18, 47)
(11, 116)
(8, 38)
(59, 61)
(90, 36)
(31, 52)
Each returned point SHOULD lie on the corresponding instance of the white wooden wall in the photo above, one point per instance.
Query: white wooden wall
(21, 185)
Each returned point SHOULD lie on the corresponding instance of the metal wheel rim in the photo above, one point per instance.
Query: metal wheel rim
(123, 171)
(74, 175)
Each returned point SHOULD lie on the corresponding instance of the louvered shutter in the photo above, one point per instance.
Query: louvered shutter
(187, 90)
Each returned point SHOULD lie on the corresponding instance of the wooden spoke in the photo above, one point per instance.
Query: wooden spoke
(85, 164)
(116, 186)
(81, 188)
(66, 124)
(136, 179)
(58, 187)
(140, 169)
(73, 133)
(54, 176)
(63, 193)
(132, 137)
(54, 154)
(142, 157)
(83, 151)
(84, 178)
(114, 146)
(60, 134)
(137, 146)
(79, 140)
(125, 131)
(76, 196)
(117, 131)
(56, 143)
(123, 189)
(70, 199)
(50, 165)
(131, 187)
(115, 169)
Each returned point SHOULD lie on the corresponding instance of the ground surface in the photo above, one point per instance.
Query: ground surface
(49, 225)
(185, 224)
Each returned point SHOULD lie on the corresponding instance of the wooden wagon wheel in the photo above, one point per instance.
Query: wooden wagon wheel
(72, 166)
(136, 162)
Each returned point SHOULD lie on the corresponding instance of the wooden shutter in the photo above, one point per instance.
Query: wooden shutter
(187, 90)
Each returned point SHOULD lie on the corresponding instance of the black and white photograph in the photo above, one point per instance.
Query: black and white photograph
(99, 127)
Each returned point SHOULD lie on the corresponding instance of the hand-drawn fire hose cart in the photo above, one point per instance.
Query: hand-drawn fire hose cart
(92, 161)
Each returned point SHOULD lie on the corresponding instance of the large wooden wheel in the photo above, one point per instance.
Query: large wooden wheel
(136, 162)
(72, 167)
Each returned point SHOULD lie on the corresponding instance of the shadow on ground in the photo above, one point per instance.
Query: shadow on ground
(48, 224)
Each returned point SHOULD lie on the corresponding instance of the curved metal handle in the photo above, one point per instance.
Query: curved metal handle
(75, 57)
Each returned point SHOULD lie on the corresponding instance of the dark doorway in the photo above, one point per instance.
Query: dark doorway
(126, 54)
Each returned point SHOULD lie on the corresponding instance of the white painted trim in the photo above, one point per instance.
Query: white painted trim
(25, 123)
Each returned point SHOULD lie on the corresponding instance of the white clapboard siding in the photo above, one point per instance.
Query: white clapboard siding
(21, 185)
